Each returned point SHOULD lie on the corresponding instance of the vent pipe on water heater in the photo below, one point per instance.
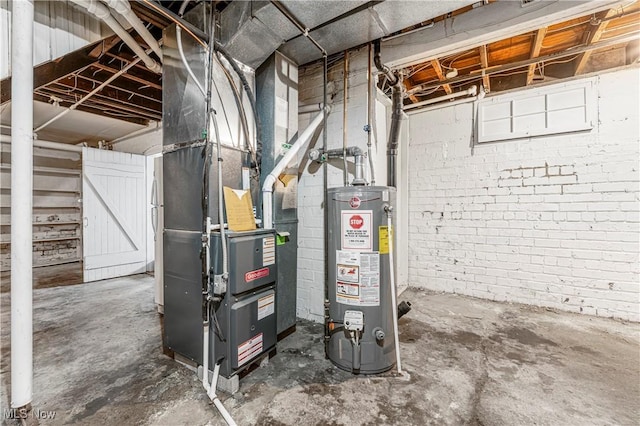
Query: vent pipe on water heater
(396, 115)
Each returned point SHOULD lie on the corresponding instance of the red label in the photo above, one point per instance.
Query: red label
(354, 202)
(255, 275)
(356, 221)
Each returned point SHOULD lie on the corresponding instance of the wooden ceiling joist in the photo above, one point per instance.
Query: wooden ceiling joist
(110, 94)
(129, 76)
(407, 85)
(591, 37)
(43, 95)
(474, 75)
(484, 63)
(536, 45)
(438, 69)
(54, 70)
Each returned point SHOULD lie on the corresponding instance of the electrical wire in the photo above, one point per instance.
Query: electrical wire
(450, 66)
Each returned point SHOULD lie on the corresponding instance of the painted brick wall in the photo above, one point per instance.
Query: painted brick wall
(549, 221)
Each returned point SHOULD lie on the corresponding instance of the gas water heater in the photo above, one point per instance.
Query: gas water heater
(360, 324)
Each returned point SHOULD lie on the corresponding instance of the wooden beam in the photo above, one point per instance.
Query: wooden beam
(408, 85)
(524, 63)
(483, 25)
(110, 93)
(592, 37)
(129, 76)
(438, 69)
(484, 62)
(54, 70)
(106, 45)
(536, 45)
(43, 96)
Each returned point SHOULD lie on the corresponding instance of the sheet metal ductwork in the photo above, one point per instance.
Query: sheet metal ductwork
(252, 31)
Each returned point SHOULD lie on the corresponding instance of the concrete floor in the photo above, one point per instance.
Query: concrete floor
(48, 276)
(98, 360)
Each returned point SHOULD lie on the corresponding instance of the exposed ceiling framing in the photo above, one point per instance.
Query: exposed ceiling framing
(586, 44)
(557, 51)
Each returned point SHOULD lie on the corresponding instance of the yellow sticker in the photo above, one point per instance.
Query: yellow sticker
(383, 239)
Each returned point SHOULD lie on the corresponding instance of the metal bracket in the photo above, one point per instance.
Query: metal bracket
(219, 285)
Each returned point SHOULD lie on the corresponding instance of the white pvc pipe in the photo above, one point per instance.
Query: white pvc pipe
(471, 91)
(304, 109)
(102, 12)
(21, 203)
(46, 144)
(124, 8)
(183, 7)
(214, 398)
(480, 96)
(394, 298)
(205, 355)
(270, 180)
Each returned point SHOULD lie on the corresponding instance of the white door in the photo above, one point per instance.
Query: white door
(114, 214)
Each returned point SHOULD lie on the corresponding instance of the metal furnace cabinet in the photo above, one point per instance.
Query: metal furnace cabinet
(246, 317)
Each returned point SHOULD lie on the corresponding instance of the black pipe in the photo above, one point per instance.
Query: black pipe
(403, 308)
(325, 215)
(394, 134)
(377, 60)
(396, 115)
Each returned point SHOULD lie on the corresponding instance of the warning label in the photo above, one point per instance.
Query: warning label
(383, 239)
(266, 306)
(249, 349)
(356, 230)
(268, 251)
(357, 278)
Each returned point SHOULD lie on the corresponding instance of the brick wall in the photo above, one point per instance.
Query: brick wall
(310, 191)
(549, 221)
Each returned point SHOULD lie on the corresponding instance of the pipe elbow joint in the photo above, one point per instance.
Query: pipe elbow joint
(269, 181)
(97, 9)
(121, 6)
(153, 66)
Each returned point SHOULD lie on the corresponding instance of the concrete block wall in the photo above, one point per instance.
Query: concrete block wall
(311, 231)
(549, 221)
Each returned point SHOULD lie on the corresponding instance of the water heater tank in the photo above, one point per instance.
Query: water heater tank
(360, 310)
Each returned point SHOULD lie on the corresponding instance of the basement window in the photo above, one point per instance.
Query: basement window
(560, 108)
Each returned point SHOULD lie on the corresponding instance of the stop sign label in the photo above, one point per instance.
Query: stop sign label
(356, 221)
(357, 226)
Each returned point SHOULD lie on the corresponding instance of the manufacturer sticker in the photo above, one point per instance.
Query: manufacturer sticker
(354, 202)
(249, 349)
(256, 275)
(357, 278)
(356, 230)
(266, 306)
(268, 251)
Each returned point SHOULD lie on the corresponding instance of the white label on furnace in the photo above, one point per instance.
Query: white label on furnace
(249, 349)
(246, 178)
(268, 251)
(357, 278)
(266, 306)
(356, 230)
